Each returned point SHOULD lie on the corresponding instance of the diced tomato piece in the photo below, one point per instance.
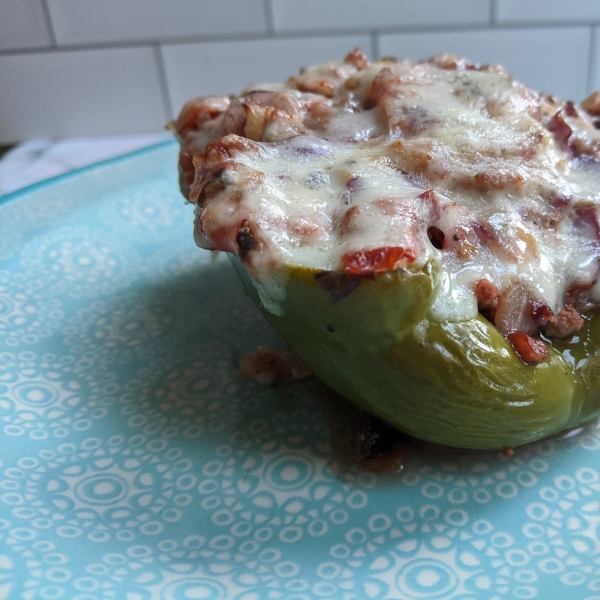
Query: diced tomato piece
(379, 260)
(486, 293)
(562, 132)
(529, 349)
(357, 59)
(507, 451)
(570, 110)
(541, 313)
(566, 321)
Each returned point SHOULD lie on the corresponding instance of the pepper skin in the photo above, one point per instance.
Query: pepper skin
(458, 384)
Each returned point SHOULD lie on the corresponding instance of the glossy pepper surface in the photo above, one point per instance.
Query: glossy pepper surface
(456, 383)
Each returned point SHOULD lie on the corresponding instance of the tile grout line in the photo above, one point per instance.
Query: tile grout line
(162, 79)
(591, 60)
(291, 35)
(49, 24)
(268, 8)
(375, 46)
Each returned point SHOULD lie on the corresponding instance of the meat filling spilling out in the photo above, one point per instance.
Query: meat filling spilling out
(355, 168)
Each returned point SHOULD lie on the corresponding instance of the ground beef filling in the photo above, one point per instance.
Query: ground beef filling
(434, 186)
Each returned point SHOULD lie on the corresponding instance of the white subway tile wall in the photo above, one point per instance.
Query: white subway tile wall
(106, 21)
(333, 15)
(544, 11)
(88, 67)
(23, 25)
(595, 65)
(80, 92)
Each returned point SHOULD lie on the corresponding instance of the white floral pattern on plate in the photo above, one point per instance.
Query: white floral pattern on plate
(136, 463)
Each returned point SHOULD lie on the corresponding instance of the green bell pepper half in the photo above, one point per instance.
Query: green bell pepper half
(458, 384)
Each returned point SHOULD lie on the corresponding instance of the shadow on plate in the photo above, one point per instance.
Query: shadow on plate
(172, 349)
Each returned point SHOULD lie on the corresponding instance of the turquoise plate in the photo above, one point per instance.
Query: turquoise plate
(136, 463)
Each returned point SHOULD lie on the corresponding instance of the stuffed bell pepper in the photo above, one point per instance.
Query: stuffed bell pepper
(424, 234)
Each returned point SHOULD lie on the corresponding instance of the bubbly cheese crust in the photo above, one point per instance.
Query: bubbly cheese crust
(363, 168)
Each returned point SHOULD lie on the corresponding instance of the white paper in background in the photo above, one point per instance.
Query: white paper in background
(37, 160)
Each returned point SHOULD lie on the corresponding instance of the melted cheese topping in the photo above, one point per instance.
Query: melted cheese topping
(396, 163)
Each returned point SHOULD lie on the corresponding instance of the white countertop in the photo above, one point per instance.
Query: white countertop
(36, 160)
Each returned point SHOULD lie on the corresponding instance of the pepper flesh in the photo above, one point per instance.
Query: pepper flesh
(456, 383)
